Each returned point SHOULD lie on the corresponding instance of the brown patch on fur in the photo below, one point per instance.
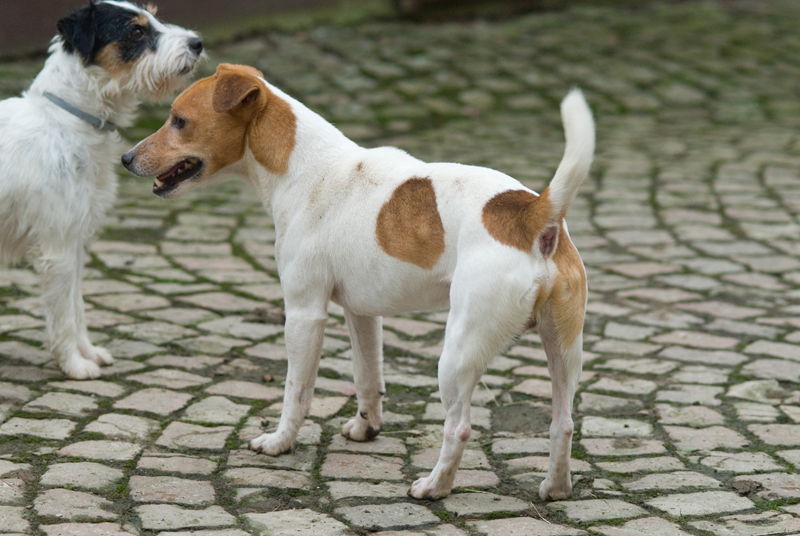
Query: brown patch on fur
(360, 166)
(141, 20)
(218, 126)
(516, 217)
(110, 59)
(239, 91)
(569, 290)
(152, 9)
(566, 296)
(409, 227)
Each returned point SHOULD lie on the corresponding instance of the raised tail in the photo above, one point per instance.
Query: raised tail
(574, 167)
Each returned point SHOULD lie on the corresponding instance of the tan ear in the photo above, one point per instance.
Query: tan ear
(238, 91)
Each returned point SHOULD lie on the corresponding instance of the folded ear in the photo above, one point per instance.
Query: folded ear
(77, 30)
(238, 91)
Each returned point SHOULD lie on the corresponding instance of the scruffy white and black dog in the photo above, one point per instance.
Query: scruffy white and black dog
(59, 145)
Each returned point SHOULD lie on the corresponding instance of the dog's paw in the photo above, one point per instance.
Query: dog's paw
(272, 444)
(78, 368)
(359, 429)
(97, 354)
(550, 491)
(429, 488)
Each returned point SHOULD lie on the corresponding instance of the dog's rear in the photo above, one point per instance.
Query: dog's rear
(559, 314)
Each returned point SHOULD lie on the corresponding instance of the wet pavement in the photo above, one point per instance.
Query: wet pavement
(688, 415)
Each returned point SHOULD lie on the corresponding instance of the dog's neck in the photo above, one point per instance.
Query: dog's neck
(318, 145)
(90, 89)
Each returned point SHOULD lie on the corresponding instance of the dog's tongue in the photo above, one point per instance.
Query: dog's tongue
(172, 171)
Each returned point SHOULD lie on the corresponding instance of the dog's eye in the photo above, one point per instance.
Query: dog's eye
(136, 34)
(178, 122)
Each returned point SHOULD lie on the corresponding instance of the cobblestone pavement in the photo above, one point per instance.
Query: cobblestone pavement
(688, 414)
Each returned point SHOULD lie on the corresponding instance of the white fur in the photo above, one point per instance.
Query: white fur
(57, 176)
(325, 209)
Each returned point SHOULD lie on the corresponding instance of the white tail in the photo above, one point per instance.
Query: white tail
(574, 167)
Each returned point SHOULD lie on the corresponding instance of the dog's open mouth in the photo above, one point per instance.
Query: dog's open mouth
(182, 171)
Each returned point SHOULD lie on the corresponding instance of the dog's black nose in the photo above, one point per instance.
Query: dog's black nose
(196, 45)
(127, 160)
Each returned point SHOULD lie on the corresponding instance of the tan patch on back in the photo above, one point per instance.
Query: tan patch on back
(569, 290)
(409, 227)
(516, 217)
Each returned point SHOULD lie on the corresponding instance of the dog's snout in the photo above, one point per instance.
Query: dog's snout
(127, 159)
(196, 45)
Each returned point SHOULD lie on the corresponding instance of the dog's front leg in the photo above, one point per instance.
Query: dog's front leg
(60, 273)
(93, 353)
(303, 334)
(565, 371)
(366, 339)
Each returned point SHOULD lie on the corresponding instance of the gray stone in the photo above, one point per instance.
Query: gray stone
(676, 480)
(770, 522)
(646, 526)
(84, 529)
(598, 509)
(176, 463)
(169, 517)
(121, 426)
(387, 516)
(184, 435)
(522, 526)
(255, 476)
(73, 505)
(44, 428)
(12, 519)
(102, 450)
(295, 523)
(482, 503)
(701, 503)
(168, 489)
(159, 401)
(216, 410)
(86, 475)
(384, 490)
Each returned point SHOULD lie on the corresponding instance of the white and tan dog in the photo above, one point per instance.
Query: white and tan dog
(380, 233)
(59, 146)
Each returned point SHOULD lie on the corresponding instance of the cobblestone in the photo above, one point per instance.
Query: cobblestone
(688, 227)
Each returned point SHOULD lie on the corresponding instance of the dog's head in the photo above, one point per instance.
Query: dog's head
(138, 52)
(210, 127)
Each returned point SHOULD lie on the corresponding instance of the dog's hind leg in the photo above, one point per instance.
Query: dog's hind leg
(483, 318)
(366, 339)
(565, 371)
(560, 326)
(304, 331)
(60, 271)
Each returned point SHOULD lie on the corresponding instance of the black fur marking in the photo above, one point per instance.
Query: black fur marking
(372, 433)
(92, 28)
